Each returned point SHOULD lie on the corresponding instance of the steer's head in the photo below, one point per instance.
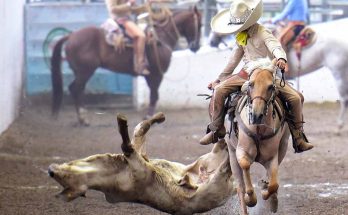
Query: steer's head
(94, 172)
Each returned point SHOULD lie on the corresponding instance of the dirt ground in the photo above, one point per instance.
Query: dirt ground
(314, 182)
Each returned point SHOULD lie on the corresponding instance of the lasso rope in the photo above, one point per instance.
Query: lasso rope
(53, 34)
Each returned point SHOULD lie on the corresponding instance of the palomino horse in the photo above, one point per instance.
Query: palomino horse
(261, 136)
(328, 50)
(86, 50)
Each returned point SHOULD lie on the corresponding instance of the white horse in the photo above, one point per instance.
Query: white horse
(330, 51)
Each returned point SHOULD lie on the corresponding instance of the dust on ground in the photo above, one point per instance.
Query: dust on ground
(314, 182)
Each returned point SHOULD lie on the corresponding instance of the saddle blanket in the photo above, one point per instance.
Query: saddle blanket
(114, 33)
(305, 39)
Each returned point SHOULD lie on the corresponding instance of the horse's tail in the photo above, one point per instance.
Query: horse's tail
(56, 75)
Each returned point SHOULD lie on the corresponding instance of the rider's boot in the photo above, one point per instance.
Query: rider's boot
(213, 136)
(140, 65)
(299, 140)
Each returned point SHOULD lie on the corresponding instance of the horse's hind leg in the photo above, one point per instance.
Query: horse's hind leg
(245, 163)
(273, 199)
(76, 89)
(274, 202)
(272, 172)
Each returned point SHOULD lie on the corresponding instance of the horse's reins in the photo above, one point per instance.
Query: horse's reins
(177, 34)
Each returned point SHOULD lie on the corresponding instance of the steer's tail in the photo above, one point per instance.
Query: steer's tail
(56, 76)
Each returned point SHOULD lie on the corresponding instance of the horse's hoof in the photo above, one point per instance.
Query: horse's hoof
(264, 194)
(263, 184)
(274, 203)
(250, 200)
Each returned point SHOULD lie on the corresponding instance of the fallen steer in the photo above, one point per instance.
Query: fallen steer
(131, 177)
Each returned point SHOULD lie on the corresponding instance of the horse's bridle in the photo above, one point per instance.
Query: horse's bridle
(177, 32)
(268, 101)
(196, 30)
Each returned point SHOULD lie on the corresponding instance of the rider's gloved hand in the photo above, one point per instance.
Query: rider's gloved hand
(212, 85)
(282, 64)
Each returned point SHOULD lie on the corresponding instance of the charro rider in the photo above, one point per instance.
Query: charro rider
(254, 41)
(121, 11)
(295, 15)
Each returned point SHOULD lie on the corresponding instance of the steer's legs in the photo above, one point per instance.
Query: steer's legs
(139, 132)
(123, 129)
(137, 163)
(141, 129)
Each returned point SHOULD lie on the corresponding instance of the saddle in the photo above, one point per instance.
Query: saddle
(115, 35)
(303, 40)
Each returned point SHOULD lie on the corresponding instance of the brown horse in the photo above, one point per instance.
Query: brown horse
(261, 135)
(86, 50)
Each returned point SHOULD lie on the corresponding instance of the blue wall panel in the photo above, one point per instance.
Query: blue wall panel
(40, 19)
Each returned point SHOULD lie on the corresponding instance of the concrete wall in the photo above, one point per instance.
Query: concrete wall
(189, 74)
(11, 60)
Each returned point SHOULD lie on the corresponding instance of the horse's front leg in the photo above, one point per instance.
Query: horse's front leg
(245, 161)
(238, 176)
(153, 81)
(272, 172)
(340, 120)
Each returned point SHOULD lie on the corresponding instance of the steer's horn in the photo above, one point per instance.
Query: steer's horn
(123, 129)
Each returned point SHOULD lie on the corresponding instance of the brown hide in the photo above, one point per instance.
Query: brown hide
(130, 177)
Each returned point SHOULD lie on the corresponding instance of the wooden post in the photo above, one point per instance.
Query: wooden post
(207, 17)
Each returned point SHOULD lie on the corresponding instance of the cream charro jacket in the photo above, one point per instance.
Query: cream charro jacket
(121, 8)
(260, 44)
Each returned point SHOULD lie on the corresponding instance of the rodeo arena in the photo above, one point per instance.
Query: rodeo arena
(149, 107)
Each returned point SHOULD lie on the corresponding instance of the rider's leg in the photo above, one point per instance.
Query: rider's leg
(286, 35)
(294, 100)
(139, 38)
(221, 91)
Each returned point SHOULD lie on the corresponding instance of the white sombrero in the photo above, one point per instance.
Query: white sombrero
(241, 15)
